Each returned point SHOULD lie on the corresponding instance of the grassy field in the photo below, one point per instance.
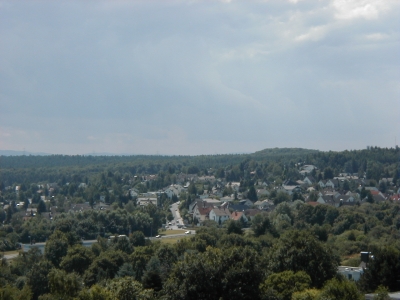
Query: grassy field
(172, 240)
(168, 232)
(10, 252)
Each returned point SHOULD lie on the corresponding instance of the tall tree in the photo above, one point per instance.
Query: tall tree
(301, 251)
(341, 289)
(282, 285)
(56, 247)
(233, 273)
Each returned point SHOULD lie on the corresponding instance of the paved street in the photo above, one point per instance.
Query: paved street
(177, 217)
(11, 256)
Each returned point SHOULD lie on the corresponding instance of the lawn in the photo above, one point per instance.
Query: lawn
(10, 252)
(168, 232)
(172, 240)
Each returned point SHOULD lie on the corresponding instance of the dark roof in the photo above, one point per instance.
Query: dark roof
(221, 212)
(238, 207)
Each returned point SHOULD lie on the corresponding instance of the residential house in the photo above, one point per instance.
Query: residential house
(227, 199)
(264, 204)
(329, 192)
(219, 215)
(31, 212)
(246, 202)
(262, 193)
(309, 180)
(395, 197)
(328, 199)
(307, 169)
(174, 189)
(201, 213)
(378, 197)
(234, 185)
(193, 205)
(356, 196)
(346, 199)
(217, 193)
(144, 201)
(322, 183)
(239, 216)
(289, 182)
(291, 189)
(237, 207)
(336, 199)
(332, 183)
(211, 201)
(261, 184)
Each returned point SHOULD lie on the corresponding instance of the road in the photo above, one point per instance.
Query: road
(177, 216)
(172, 235)
(11, 256)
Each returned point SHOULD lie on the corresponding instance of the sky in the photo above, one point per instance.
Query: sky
(198, 77)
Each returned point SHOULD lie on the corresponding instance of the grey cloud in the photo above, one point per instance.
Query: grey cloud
(191, 74)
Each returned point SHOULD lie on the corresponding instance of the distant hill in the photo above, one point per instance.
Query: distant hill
(19, 153)
(284, 152)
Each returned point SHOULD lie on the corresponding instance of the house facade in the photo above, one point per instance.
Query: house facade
(219, 215)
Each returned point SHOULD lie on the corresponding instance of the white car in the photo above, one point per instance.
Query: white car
(158, 236)
(187, 232)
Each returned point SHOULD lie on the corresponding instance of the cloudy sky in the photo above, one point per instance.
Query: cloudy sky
(198, 77)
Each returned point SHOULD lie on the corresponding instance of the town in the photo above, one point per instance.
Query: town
(149, 225)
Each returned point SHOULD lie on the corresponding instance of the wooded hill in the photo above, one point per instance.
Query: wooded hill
(379, 162)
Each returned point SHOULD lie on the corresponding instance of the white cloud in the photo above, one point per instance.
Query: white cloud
(377, 36)
(366, 9)
(313, 34)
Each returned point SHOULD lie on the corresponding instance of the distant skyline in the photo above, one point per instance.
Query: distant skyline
(198, 77)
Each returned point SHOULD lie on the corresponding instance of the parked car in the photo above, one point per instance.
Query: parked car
(187, 232)
(158, 236)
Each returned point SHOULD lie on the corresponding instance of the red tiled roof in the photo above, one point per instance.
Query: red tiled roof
(204, 210)
(236, 215)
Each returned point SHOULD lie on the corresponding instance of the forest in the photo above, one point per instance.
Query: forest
(290, 251)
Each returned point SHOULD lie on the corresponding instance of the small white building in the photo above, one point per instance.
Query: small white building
(146, 201)
(351, 273)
